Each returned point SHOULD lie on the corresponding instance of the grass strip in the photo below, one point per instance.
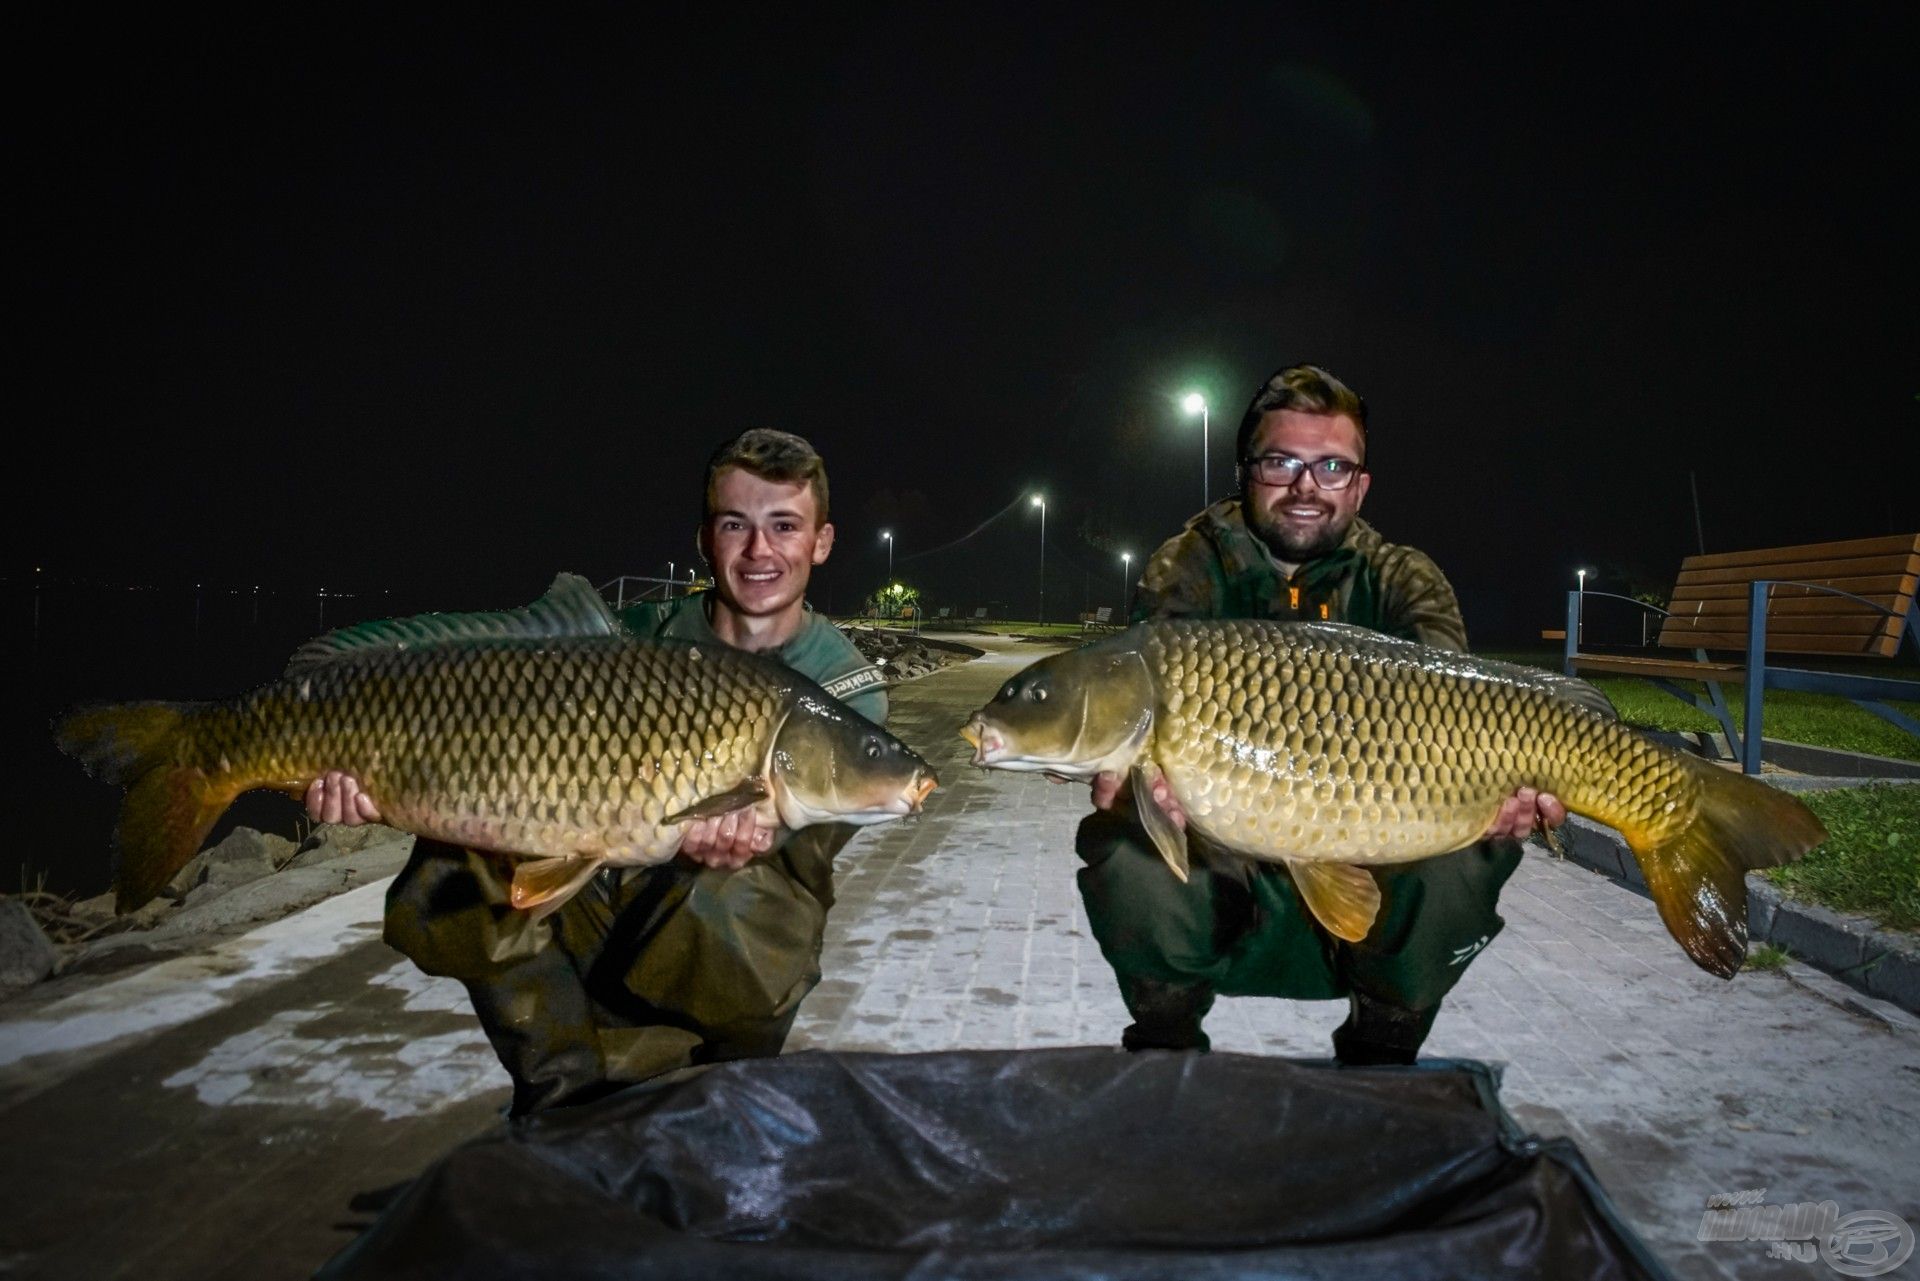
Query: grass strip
(1819, 720)
(1870, 862)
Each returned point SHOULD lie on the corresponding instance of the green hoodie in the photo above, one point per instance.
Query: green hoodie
(817, 651)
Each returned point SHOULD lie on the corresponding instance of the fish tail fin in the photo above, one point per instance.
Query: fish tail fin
(1698, 876)
(117, 743)
(169, 806)
(167, 814)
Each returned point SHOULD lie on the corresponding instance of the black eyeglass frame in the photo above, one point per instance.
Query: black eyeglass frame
(1254, 466)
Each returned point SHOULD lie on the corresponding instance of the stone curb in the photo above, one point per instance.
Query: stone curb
(1879, 963)
(1802, 758)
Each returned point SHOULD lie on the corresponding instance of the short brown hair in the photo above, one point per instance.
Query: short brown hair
(1308, 389)
(771, 455)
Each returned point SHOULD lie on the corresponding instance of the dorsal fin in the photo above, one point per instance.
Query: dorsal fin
(1571, 688)
(1352, 632)
(571, 607)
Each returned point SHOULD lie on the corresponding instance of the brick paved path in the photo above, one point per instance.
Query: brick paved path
(212, 1118)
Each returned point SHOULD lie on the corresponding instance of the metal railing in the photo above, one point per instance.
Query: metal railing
(646, 587)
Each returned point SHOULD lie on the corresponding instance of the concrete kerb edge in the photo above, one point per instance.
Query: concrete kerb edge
(1819, 762)
(1841, 948)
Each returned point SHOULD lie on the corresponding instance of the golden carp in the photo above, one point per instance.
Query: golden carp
(1333, 749)
(549, 733)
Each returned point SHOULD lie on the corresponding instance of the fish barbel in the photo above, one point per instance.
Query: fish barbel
(1333, 749)
(548, 733)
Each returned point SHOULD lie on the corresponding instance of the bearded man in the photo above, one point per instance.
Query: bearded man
(1291, 546)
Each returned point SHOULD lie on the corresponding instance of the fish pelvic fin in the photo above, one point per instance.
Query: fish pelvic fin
(541, 885)
(1345, 899)
(167, 814)
(1168, 836)
(1698, 876)
(738, 797)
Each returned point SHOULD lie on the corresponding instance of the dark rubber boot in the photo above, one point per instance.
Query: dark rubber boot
(1377, 1034)
(1166, 1016)
(536, 1015)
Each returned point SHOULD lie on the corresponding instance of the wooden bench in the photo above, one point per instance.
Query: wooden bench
(1100, 620)
(1848, 599)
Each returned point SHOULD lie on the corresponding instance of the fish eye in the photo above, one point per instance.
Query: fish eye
(1038, 693)
(873, 749)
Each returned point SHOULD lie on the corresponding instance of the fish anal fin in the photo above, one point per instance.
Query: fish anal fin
(1345, 899)
(1168, 836)
(541, 885)
(750, 792)
(167, 814)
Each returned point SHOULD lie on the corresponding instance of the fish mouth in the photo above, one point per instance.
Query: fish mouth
(919, 791)
(986, 741)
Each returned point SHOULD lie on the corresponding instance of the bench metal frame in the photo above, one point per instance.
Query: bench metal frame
(1870, 693)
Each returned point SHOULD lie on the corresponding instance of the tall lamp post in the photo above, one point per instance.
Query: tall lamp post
(1195, 403)
(1041, 503)
(1580, 634)
(888, 535)
(1126, 568)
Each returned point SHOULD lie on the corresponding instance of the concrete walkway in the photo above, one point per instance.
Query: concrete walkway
(213, 1117)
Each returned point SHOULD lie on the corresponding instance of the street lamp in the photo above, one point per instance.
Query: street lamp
(1580, 633)
(1041, 503)
(1126, 566)
(888, 535)
(1195, 403)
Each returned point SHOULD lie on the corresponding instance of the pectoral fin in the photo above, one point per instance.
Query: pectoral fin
(1168, 836)
(541, 885)
(1342, 897)
(750, 792)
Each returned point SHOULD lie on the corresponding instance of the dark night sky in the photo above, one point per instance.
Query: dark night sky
(412, 303)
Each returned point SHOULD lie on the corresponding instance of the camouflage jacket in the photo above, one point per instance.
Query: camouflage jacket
(1218, 568)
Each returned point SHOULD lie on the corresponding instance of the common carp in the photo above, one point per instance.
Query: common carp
(549, 733)
(1332, 749)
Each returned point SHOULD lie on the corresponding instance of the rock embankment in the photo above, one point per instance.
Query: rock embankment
(247, 879)
(903, 656)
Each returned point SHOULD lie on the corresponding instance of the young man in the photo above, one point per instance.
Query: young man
(698, 961)
(1291, 545)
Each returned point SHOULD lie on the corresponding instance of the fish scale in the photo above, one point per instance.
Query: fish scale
(1290, 781)
(521, 774)
(1332, 749)
(547, 733)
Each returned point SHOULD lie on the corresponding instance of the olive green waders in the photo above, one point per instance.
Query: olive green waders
(643, 971)
(1175, 946)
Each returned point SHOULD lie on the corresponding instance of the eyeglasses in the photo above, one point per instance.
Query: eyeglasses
(1283, 469)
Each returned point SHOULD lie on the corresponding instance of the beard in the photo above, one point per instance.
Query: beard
(1296, 546)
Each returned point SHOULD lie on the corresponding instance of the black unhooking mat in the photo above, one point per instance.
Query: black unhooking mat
(1076, 1163)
